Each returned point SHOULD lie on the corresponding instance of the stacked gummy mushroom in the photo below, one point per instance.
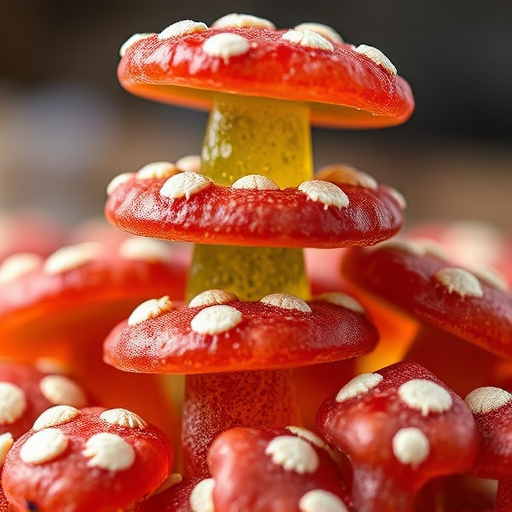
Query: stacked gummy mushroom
(255, 204)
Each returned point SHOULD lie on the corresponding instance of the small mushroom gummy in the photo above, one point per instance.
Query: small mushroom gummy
(237, 356)
(400, 427)
(94, 458)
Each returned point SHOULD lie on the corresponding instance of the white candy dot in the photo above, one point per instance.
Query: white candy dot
(235, 20)
(397, 196)
(72, 257)
(201, 499)
(117, 180)
(407, 246)
(255, 181)
(123, 418)
(425, 395)
(143, 249)
(319, 500)
(13, 403)
(378, 57)
(216, 319)
(156, 170)
(150, 309)
(410, 446)
(293, 454)
(184, 184)
(109, 451)
(359, 385)
(6, 442)
(54, 416)
(44, 446)
(60, 390)
(18, 265)
(486, 399)
(325, 192)
(459, 281)
(171, 480)
(182, 28)
(212, 298)
(131, 41)
(189, 163)
(340, 173)
(343, 300)
(308, 39)
(307, 435)
(324, 30)
(226, 45)
(286, 301)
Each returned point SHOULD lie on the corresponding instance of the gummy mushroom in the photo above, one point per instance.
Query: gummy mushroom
(452, 304)
(63, 306)
(237, 355)
(400, 427)
(264, 87)
(267, 470)
(271, 470)
(106, 460)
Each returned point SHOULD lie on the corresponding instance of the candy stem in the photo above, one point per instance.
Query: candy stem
(246, 136)
(254, 136)
(217, 402)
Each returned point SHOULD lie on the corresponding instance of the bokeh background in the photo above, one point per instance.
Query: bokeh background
(67, 128)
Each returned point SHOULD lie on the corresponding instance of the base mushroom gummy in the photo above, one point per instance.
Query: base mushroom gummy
(250, 205)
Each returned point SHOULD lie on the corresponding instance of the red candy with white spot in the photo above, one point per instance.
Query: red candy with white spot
(424, 283)
(98, 459)
(274, 470)
(189, 207)
(345, 86)
(279, 331)
(400, 427)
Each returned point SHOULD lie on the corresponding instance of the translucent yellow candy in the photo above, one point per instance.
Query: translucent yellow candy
(254, 136)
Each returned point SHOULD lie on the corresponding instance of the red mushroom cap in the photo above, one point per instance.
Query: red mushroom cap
(187, 63)
(424, 283)
(254, 211)
(217, 332)
(50, 297)
(82, 460)
(400, 427)
(272, 470)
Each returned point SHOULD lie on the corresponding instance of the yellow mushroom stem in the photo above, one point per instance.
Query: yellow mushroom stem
(245, 136)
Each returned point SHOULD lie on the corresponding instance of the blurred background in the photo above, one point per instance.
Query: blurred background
(67, 128)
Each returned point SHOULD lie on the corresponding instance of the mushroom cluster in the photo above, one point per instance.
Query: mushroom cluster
(264, 346)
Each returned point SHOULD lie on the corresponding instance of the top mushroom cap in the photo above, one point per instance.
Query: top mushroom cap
(188, 62)
(419, 279)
